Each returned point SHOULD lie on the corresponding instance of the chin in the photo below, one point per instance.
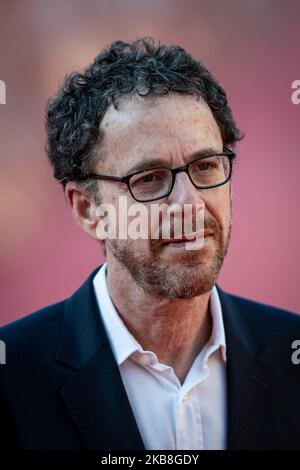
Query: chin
(186, 282)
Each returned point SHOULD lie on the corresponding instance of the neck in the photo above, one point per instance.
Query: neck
(174, 329)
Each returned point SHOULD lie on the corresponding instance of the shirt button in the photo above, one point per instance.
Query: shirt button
(185, 398)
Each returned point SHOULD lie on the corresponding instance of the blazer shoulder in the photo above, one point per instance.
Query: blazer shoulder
(33, 332)
(264, 316)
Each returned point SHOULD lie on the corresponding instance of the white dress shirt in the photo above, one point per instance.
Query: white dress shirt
(170, 415)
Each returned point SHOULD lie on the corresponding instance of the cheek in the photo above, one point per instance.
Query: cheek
(128, 222)
(218, 205)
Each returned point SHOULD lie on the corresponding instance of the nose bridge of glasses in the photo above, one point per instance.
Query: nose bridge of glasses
(182, 182)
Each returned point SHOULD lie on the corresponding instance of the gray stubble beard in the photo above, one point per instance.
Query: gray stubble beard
(173, 282)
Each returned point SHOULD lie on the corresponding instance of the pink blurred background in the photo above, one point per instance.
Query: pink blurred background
(251, 46)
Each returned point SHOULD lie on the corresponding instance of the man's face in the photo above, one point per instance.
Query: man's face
(172, 128)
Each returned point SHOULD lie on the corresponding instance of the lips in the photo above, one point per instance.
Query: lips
(183, 239)
(178, 240)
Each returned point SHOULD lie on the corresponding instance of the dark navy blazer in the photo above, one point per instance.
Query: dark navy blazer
(61, 387)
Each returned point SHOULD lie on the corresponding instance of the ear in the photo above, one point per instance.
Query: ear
(83, 208)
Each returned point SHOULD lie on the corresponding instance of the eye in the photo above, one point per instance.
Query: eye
(204, 166)
(149, 178)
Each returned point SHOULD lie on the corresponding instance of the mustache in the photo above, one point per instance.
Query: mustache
(209, 225)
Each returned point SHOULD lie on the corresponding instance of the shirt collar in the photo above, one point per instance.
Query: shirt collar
(121, 340)
(124, 344)
(217, 339)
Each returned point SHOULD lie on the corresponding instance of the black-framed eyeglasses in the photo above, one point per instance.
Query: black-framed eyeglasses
(205, 172)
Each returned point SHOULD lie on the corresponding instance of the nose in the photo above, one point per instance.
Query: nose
(184, 192)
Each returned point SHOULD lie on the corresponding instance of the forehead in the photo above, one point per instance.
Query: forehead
(171, 125)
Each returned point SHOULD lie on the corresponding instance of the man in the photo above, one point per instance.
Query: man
(150, 353)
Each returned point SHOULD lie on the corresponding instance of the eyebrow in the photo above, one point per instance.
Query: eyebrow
(159, 162)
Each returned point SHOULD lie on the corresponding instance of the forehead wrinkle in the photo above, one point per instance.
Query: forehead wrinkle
(127, 130)
(137, 115)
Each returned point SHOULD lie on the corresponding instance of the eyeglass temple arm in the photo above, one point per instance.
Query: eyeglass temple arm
(103, 177)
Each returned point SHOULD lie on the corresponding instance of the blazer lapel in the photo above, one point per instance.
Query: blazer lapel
(251, 382)
(95, 395)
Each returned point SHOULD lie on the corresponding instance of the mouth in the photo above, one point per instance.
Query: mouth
(184, 239)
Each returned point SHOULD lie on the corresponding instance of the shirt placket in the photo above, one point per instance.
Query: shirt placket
(189, 432)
